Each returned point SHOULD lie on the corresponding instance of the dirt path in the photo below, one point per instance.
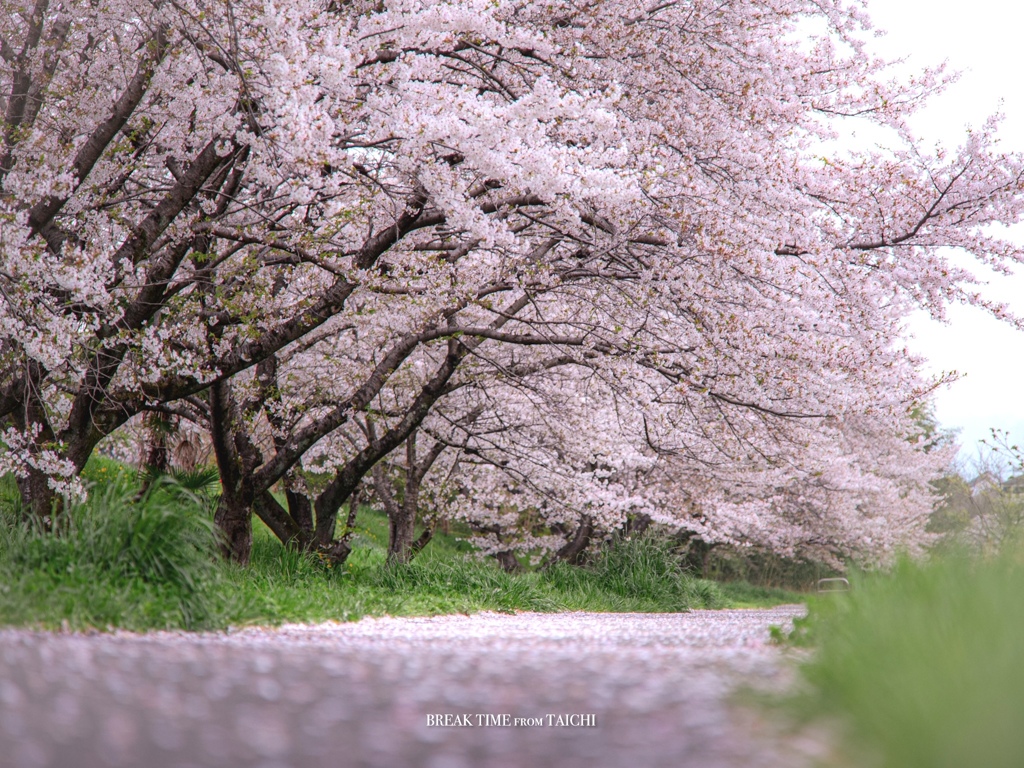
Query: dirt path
(632, 690)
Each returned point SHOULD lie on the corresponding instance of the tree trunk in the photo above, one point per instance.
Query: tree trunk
(237, 457)
(299, 507)
(508, 561)
(400, 539)
(157, 458)
(423, 540)
(637, 525)
(401, 547)
(338, 550)
(281, 524)
(40, 505)
(574, 550)
(402, 517)
(234, 521)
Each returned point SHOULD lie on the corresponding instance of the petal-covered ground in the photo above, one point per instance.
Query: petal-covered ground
(576, 689)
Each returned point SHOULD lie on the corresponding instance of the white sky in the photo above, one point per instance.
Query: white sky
(982, 41)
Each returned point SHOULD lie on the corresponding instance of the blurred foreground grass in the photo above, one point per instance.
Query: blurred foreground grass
(924, 667)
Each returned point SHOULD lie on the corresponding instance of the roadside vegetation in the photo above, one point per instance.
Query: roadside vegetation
(142, 560)
(921, 668)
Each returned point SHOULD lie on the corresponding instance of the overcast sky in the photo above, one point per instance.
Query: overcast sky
(981, 39)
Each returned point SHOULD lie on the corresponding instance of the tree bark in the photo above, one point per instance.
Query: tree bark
(237, 457)
(40, 505)
(338, 550)
(574, 550)
(423, 540)
(277, 519)
(637, 525)
(234, 521)
(400, 539)
(299, 507)
(402, 517)
(508, 561)
(157, 458)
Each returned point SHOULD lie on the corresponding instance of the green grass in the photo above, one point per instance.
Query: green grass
(924, 667)
(287, 586)
(642, 572)
(741, 594)
(137, 564)
(150, 563)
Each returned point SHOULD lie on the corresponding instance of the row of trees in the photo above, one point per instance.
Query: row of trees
(544, 267)
(981, 508)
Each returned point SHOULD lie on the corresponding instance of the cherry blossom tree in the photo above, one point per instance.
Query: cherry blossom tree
(545, 469)
(313, 224)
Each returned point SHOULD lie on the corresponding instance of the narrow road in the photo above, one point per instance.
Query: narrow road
(482, 691)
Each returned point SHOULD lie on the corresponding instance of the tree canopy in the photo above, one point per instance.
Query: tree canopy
(563, 262)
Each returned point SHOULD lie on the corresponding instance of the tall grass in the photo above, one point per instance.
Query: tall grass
(642, 571)
(464, 584)
(150, 562)
(123, 561)
(925, 668)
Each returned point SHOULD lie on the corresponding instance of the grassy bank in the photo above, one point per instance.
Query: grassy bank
(149, 563)
(923, 668)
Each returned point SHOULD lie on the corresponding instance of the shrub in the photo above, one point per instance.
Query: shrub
(645, 568)
(137, 563)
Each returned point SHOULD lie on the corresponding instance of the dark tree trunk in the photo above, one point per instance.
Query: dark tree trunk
(508, 561)
(338, 550)
(277, 519)
(300, 508)
(400, 538)
(423, 540)
(234, 521)
(506, 558)
(637, 525)
(157, 458)
(402, 517)
(698, 555)
(237, 458)
(40, 505)
(575, 549)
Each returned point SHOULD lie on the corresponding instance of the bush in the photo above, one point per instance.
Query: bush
(644, 568)
(756, 567)
(134, 563)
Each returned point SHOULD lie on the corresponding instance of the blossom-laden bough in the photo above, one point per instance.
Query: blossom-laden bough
(604, 255)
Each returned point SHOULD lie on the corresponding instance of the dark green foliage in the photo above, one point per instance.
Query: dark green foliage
(741, 594)
(204, 482)
(759, 568)
(644, 569)
(10, 499)
(122, 561)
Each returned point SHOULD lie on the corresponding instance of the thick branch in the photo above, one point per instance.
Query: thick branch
(41, 215)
